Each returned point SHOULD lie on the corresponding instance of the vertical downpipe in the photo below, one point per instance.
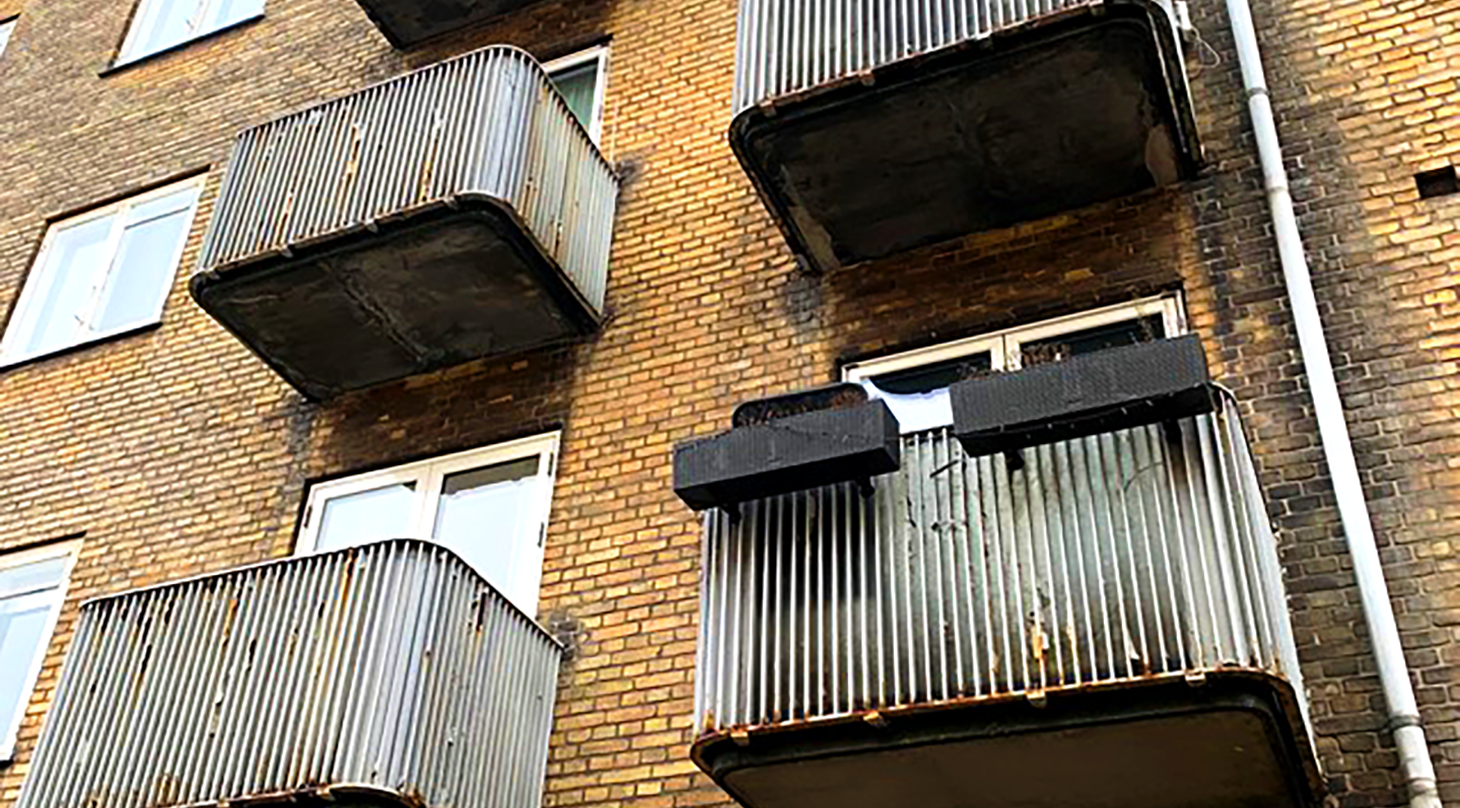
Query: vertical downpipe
(1404, 718)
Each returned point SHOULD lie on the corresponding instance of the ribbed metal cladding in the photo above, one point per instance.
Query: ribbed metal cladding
(392, 668)
(785, 47)
(1105, 560)
(489, 123)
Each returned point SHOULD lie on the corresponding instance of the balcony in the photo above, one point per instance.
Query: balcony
(406, 23)
(870, 128)
(453, 213)
(389, 674)
(1097, 621)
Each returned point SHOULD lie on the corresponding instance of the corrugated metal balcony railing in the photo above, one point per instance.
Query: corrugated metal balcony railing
(452, 213)
(1097, 579)
(390, 673)
(875, 126)
(786, 47)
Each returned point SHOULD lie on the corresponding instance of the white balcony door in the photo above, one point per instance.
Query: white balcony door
(489, 506)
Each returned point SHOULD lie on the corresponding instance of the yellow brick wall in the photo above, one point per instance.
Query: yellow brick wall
(175, 452)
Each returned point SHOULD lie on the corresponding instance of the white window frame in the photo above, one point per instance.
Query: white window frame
(1169, 307)
(7, 30)
(145, 17)
(599, 54)
(69, 551)
(23, 320)
(525, 574)
(1005, 347)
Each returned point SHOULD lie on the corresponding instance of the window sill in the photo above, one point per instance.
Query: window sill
(7, 365)
(118, 66)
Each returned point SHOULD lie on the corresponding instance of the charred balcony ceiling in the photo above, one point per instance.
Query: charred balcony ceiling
(451, 214)
(409, 22)
(1226, 743)
(951, 118)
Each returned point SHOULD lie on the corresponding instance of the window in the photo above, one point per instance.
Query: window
(915, 384)
(7, 27)
(102, 273)
(32, 586)
(580, 78)
(489, 506)
(160, 24)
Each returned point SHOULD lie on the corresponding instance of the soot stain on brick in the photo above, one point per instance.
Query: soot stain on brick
(547, 30)
(299, 417)
(469, 406)
(568, 630)
(988, 281)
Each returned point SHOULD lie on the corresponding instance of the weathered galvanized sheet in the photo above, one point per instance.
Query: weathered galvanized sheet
(489, 123)
(789, 46)
(1103, 560)
(391, 667)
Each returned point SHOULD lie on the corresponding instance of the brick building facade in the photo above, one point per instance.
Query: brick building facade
(172, 451)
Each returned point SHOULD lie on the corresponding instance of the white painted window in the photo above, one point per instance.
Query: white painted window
(32, 587)
(581, 78)
(489, 506)
(7, 27)
(102, 273)
(915, 383)
(160, 24)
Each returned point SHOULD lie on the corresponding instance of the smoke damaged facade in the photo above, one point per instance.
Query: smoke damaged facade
(285, 280)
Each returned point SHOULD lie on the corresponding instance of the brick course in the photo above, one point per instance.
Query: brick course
(175, 452)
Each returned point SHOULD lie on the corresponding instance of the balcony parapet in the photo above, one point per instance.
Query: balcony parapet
(385, 674)
(970, 602)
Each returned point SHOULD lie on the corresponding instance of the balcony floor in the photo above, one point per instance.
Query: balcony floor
(1233, 742)
(1047, 118)
(444, 286)
(406, 23)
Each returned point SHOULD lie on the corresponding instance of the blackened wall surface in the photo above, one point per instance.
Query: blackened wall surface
(175, 452)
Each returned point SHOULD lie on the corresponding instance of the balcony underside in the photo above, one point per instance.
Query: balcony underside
(443, 286)
(408, 22)
(1235, 741)
(1053, 116)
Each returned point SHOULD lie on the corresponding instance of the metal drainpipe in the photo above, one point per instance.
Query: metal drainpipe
(1404, 720)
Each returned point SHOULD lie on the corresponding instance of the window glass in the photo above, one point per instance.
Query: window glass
(102, 274)
(7, 27)
(133, 285)
(489, 506)
(1088, 340)
(30, 595)
(579, 79)
(161, 24)
(484, 514)
(579, 86)
(373, 515)
(74, 260)
(919, 396)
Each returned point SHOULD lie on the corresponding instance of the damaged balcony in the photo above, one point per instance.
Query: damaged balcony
(1095, 620)
(450, 214)
(388, 674)
(870, 128)
(406, 23)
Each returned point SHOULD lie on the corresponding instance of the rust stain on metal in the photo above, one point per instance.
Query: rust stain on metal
(281, 225)
(352, 163)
